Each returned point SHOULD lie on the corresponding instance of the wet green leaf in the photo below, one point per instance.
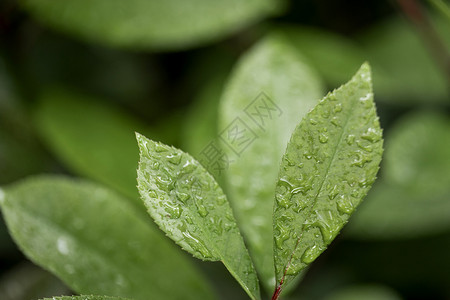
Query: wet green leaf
(412, 199)
(94, 241)
(170, 24)
(329, 165)
(268, 93)
(188, 204)
(90, 297)
(93, 138)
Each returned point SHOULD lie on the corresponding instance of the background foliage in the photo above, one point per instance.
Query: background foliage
(75, 86)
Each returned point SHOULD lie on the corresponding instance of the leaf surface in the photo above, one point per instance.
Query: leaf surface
(188, 204)
(169, 24)
(94, 241)
(267, 94)
(329, 165)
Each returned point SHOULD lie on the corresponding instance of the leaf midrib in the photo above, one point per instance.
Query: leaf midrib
(326, 173)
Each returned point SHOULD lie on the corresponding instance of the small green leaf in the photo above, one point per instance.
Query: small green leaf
(94, 241)
(93, 138)
(82, 297)
(188, 204)
(413, 198)
(329, 165)
(169, 24)
(268, 93)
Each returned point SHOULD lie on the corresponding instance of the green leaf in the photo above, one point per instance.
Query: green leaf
(93, 138)
(94, 241)
(329, 165)
(188, 204)
(86, 298)
(412, 199)
(170, 24)
(268, 93)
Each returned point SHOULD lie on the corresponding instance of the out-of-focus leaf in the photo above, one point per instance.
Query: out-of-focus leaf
(188, 204)
(86, 298)
(413, 198)
(95, 242)
(170, 24)
(403, 67)
(366, 292)
(335, 57)
(418, 153)
(330, 163)
(92, 138)
(268, 93)
(28, 281)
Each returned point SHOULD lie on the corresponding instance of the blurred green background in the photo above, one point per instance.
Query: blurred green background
(74, 87)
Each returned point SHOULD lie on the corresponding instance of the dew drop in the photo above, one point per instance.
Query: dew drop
(345, 206)
(154, 165)
(311, 254)
(335, 121)
(197, 245)
(313, 121)
(361, 145)
(165, 183)
(174, 158)
(160, 148)
(350, 139)
(323, 138)
(325, 114)
(327, 224)
(202, 211)
(62, 246)
(371, 135)
(333, 193)
(173, 210)
(183, 197)
(294, 268)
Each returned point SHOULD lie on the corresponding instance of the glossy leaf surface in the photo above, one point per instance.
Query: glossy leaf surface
(93, 240)
(188, 204)
(169, 24)
(268, 93)
(329, 165)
